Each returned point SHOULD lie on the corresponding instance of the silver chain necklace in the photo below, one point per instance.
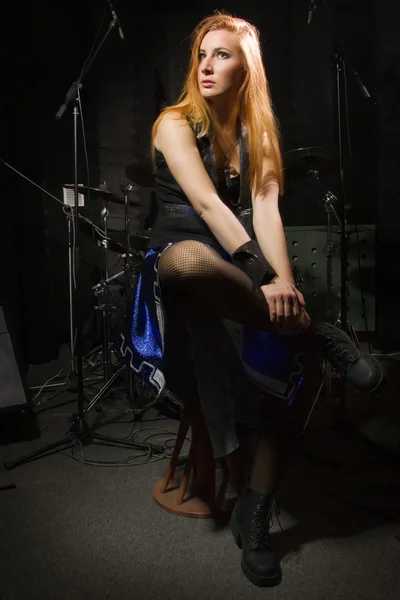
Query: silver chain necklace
(226, 169)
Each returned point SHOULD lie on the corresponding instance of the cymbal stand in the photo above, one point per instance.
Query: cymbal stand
(341, 65)
(328, 200)
(126, 188)
(71, 293)
(130, 278)
(104, 306)
(131, 275)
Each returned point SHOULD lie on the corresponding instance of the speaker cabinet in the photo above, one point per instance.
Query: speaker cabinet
(13, 389)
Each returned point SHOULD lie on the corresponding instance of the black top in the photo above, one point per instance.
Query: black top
(170, 227)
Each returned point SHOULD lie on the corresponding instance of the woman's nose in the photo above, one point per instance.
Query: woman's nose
(207, 67)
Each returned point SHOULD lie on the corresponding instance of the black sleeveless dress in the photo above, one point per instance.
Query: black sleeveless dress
(177, 220)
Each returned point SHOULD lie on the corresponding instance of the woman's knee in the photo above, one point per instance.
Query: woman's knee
(188, 258)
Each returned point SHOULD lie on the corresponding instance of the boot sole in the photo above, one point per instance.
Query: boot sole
(261, 581)
(253, 577)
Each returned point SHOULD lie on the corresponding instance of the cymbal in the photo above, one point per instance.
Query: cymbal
(102, 191)
(116, 239)
(301, 160)
(141, 176)
(136, 241)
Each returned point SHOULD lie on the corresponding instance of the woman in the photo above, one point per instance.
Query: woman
(218, 178)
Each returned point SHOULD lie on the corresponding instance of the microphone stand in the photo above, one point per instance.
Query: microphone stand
(340, 65)
(79, 430)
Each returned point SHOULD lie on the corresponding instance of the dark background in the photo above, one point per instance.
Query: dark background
(44, 45)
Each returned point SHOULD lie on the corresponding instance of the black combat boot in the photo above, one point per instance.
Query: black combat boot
(335, 346)
(250, 524)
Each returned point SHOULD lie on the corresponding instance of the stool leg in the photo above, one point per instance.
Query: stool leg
(204, 464)
(222, 490)
(185, 476)
(182, 432)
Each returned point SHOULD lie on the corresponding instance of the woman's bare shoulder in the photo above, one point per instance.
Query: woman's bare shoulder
(173, 127)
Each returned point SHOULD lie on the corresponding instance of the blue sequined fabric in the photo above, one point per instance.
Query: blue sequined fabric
(142, 344)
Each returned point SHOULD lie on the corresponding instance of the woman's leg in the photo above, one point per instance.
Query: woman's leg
(197, 282)
(279, 431)
(212, 353)
(198, 355)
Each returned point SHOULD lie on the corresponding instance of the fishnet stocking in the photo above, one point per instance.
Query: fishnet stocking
(196, 280)
(198, 285)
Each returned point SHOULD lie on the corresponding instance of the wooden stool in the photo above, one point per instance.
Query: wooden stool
(196, 498)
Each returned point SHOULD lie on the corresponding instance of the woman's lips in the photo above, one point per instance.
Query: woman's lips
(207, 84)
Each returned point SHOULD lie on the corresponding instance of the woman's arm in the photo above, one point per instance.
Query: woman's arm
(285, 301)
(177, 142)
(269, 231)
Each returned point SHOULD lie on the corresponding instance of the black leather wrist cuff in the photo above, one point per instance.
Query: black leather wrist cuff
(251, 261)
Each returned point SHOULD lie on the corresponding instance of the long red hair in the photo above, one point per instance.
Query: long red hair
(255, 106)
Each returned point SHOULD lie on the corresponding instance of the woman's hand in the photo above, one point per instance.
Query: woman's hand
(286, 306)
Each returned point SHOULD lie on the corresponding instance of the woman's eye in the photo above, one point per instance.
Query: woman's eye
(201, 55)
(223, 54)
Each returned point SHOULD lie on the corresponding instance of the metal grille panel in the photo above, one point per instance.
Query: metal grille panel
(307, 251)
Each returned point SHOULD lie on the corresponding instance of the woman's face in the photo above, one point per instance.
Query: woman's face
(220, 64)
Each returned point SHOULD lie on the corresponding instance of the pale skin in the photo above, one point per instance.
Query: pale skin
(221, 63)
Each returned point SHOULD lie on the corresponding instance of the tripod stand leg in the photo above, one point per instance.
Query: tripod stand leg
(308, 390)
(114, 442)
(104, 389)
(67, 442)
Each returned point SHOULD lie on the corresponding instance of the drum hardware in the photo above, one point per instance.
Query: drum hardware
(79, 431)
(105, 307)
(328, 200)
(70, 225)
(130, 274)
(308, 162)
(323, 159)
(100, 287)
(315, 160)
(123, 247)
(101, 291)
(102, 190)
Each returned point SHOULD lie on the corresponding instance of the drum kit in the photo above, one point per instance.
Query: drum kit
(130, 247)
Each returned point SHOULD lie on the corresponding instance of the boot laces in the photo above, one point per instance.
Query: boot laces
(261, 523)
(339, 355)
